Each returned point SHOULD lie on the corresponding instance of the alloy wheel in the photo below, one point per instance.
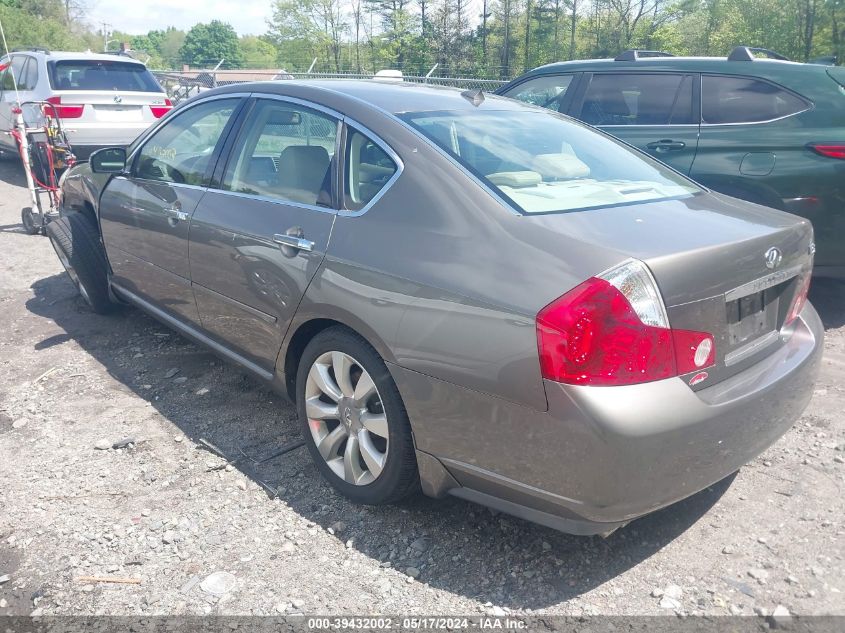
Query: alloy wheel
(346, 418)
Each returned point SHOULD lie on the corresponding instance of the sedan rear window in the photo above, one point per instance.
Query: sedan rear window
(109, 75)
(543, 163)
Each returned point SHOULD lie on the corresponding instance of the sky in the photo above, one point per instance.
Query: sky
(247, 16)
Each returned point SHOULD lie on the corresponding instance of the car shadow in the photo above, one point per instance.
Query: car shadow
(457, 546)
(828, 297)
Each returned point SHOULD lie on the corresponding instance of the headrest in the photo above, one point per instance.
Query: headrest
(560, 166)
(515, 178)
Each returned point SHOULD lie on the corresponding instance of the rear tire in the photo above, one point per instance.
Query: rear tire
(77, 243)
(366, 448)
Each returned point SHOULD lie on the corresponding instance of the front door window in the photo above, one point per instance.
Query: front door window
(180, 151)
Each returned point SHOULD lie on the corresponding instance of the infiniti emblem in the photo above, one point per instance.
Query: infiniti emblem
(773, 258)
(347, 416)
(118, 99)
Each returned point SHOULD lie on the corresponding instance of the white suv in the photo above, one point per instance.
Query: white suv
(102, 100)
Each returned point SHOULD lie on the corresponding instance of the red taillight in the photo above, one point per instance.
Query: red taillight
(160, 111)
(64, 110)
(831, 150)
(593, 335)
(800, 299)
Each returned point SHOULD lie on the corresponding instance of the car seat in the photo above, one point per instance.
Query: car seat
(303, 170)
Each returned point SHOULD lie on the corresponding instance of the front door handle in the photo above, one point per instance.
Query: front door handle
(294, 241)
(176, 214)
(666, 145)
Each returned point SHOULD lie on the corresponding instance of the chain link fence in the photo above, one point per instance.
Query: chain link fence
(184, 84)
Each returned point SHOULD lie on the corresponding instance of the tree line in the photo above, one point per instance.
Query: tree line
(481, 38)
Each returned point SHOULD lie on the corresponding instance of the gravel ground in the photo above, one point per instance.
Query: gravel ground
(167, 513)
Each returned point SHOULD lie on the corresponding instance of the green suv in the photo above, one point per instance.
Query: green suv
(765, 130)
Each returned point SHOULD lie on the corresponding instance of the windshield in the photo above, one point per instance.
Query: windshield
(543, 163)
(82, 74)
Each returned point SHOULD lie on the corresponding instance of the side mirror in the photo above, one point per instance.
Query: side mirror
(110, 160)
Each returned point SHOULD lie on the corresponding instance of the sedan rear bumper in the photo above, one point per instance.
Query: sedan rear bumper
(602, 456)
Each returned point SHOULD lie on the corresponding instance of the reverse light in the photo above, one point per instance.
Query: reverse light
(693, 350)
(65, 110)
(800, 299)
(831, 150)
(613, 330)
(160, 110)
(703, 352)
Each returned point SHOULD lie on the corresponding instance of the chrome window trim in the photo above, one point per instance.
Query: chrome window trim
(287, 203)
(702, 75)
(400, 167)
(675, 125)
(780, 118)
(303, 102)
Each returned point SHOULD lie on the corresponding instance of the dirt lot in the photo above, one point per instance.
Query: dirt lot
(169, 513)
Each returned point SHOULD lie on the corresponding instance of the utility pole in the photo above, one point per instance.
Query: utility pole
(484, 15)
(106, 26)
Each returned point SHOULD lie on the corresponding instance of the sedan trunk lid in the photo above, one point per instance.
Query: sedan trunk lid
(723, 266)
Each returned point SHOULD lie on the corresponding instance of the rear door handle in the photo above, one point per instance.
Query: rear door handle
(294, 241)
(666, 145)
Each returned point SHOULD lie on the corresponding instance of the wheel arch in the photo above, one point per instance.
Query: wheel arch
(303, 332)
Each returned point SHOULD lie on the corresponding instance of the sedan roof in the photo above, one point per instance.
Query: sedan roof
(392, 96)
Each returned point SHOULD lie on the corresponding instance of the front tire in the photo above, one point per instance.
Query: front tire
(77, 243)
(353, 419)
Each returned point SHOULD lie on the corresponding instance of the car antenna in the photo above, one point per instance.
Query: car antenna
(475, 97)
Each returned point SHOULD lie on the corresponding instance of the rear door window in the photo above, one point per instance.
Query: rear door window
(14, 73)
(548, 91)
(745, 100)
(284, 152)
(110, 75)
(638, 99)
(29, 77)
